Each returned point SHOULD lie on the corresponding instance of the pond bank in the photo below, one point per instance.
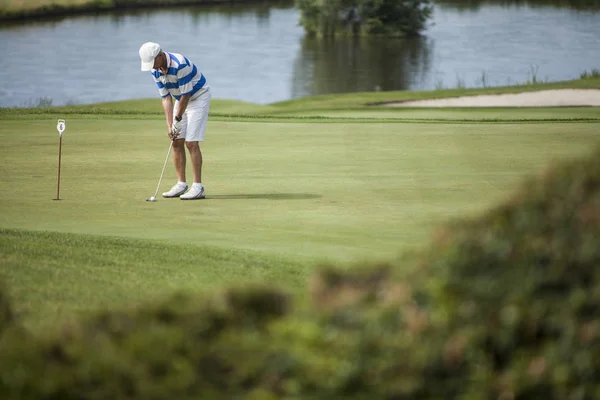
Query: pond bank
(16, 10)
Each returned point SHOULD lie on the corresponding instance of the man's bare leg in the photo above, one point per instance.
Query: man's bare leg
(196, 157)
(179, 158)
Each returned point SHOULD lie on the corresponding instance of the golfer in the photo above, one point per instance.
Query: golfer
(177, 77)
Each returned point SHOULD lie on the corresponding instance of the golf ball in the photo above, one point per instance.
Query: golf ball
(152, 198)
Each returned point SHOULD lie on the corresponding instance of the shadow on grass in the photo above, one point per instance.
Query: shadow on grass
(268, 196)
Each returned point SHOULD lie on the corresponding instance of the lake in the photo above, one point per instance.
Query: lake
(258, 52)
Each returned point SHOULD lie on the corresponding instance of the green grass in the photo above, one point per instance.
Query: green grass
(53, 276)
(284, 193)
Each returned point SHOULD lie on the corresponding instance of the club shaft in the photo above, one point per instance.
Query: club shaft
(163, 169)
(59, 157)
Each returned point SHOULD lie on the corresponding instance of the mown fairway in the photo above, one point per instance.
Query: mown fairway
(282, 195)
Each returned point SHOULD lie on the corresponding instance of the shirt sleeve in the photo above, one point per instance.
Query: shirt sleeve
(162, 90)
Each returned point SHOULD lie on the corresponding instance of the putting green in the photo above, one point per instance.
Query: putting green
(330, 191)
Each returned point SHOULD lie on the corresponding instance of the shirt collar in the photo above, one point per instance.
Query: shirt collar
(168, 60)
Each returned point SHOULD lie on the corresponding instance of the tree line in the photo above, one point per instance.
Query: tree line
(327, 18)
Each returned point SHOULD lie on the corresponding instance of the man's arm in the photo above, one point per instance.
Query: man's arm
(182, 105)
(167, 104)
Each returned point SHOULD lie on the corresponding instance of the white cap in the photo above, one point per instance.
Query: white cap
(148, 53)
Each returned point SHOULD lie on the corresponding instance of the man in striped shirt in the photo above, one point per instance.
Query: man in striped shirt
(178, 78)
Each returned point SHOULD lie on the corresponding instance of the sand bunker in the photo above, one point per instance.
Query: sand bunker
(543, 98)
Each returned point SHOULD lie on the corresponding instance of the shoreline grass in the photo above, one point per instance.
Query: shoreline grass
(19, 10)
(307, 106)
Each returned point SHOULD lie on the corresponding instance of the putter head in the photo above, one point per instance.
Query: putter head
(151, 199)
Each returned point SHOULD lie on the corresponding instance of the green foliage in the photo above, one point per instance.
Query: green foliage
(176, 348)
(519, 289)
(503, 306)
(329, 18)
(593, 74)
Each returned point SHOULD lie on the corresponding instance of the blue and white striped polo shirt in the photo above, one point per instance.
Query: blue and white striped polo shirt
(183, 77)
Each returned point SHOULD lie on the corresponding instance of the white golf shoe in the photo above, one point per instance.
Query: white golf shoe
(195, 193)
(176, 190)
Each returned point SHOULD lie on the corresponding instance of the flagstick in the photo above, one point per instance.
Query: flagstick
(59, 155)
(60, 127)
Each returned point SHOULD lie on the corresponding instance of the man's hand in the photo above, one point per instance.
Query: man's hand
(177, 126)
(177, 123)
(172, 134)
(175, 129)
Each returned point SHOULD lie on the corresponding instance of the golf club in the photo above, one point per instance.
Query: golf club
(153, 198)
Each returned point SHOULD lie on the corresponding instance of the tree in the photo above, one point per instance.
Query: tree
(364, 17)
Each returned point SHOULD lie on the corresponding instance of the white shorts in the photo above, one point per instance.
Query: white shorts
(194, 118)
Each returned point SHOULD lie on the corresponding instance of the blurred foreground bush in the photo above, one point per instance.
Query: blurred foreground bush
(506, 306)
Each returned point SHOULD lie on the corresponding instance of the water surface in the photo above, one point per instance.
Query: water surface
(258, 53)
